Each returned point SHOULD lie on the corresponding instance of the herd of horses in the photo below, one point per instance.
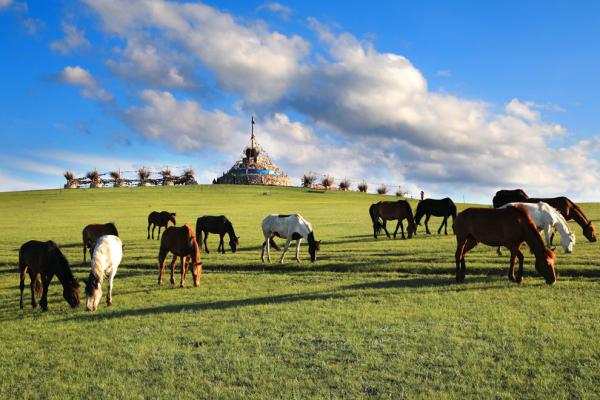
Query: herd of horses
(514, 219)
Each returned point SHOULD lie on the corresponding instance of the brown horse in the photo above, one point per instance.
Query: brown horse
(438, 208)
(180, 241)
(43, 260)
(508, 227)
(570, 211)
(503, 197)
(160, 219)
(92, 233)
(391, 210)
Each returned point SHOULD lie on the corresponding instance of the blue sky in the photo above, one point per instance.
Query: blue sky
(455, 98)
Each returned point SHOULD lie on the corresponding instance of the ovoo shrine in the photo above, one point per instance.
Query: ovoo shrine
(254, 168)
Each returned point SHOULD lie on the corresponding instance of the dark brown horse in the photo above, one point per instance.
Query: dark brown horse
(182, 243)
(43, 260)
(92, 233)
(160, 219)
(438, 208)
(564, 205)
(570, 211)
(503, 197)
(219, 225)
(508, 227)
(392, 210)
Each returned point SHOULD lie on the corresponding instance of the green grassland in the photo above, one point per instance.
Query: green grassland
(369, 319)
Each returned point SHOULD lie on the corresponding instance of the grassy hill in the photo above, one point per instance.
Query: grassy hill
(381, 319)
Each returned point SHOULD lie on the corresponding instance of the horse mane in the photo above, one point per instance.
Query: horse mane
(192, 235)
(578, 210)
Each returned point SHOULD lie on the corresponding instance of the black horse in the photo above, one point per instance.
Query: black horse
(438, 208)
(43, 260)
(219, 225)
(503, 197)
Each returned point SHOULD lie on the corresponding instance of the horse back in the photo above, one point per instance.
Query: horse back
(176, 239)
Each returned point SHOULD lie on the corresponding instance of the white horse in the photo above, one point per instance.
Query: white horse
(290, 227)
(105, 261)
(548, 219)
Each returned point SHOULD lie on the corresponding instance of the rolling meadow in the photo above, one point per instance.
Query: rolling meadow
(370, 319)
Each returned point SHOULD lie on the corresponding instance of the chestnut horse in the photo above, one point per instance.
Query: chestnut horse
(508, 227)
(160, 219)
(43, 260)
(219, 225)
(92, 233)
(391, 210)
(180, 241)
(438, 208)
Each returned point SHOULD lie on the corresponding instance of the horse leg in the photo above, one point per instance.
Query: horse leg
(173, 269)
(262, 251)
(158, 236)
(33, 278)
(205, 245)
(109, 291)
(385, 228)
(443, 225)
(222, 244)
(396, 230)
(511, 270)
(149, 230)
(426, 222)
(469, 244)
(183, 271)
(161, 265)
(520, 273)
(153, 228)
(44, 301)
(287, 244)
(458, 256)
(84, 251)
(499, 250)
(298, 250)
(402, 228)
(22, 283)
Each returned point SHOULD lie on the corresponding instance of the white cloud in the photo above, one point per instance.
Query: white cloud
(184, 123)
(4, 4)
(73, 39)
(78, 76)
(247, 59)
(276, 8)
(444, 73)
(9, 183)
(522, 110)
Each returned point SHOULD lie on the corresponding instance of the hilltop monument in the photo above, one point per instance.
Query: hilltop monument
(254, 168)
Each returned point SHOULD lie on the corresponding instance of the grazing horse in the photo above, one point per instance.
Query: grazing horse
(503, 197)
(570, 211)
(107, 256)
(92, 232)
(160, 219)
(391, 210)
(548, 219)
(220, 225)
(438, 208)
(290, 227)
(43, 260)
(182, 243)
(508, 227)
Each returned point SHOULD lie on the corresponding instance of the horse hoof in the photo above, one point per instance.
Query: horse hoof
(109, 303)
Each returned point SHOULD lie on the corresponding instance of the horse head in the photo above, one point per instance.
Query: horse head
(172, 218)
(313, 247)
(71, 292)
(93, 292)
(195, 257)
(234, 241)
(545, 266)
(567, 242)
(589, 232)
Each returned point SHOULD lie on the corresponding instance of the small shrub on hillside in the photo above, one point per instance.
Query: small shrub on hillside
(308, 180)
(363, 187)
(327, 182)
(345, 185)
(382, 189)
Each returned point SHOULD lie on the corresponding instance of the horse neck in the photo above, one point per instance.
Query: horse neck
(409, 214)
(534, 240)
(230, 231)
(418, 215)
(578, 215)
(97, 269)
(560, 224)
(64, 273)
